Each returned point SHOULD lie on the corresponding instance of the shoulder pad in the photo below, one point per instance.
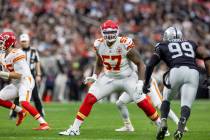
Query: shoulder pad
(97, 42)
(161, 44)
(125, 40)
(128, 42)
(191, 41)
(17, 52)
(18, 55)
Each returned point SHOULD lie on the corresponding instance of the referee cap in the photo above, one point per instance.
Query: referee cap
(24, 37)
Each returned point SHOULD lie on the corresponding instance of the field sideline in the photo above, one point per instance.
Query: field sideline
(100, 125)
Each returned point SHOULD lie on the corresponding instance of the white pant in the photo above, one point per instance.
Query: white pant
(23, 90)
(185, 81)
(104, 86)
(154, 95)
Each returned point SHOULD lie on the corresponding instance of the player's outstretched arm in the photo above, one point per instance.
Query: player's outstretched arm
(97, 70)
(154, 60)
(134, 56)
(203, 53)
(14, 75)
(10, 75)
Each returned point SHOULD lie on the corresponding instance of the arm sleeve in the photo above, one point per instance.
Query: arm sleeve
(154, 60)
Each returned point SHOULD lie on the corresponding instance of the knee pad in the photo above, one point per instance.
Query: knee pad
(90, 99)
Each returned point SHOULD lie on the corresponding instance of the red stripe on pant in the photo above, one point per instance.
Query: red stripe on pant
(86, 106)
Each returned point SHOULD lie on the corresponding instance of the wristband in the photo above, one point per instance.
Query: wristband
(4, 75)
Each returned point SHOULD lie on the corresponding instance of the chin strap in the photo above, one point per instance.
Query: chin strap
(4, 75)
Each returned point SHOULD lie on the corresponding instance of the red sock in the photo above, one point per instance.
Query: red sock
(148, 109)
(7, 104)
(86, 106)
(32, 110)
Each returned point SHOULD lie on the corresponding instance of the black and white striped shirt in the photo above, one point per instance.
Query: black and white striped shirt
(32, 57)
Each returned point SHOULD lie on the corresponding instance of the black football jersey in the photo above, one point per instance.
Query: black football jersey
(176, 54)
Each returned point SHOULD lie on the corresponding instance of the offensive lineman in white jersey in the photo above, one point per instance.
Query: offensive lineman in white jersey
(114, 55)
(15, 67)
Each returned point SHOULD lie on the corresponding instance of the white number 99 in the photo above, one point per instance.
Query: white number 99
(185, 49)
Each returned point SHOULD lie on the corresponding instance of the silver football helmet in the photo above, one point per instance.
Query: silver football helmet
(173, 34)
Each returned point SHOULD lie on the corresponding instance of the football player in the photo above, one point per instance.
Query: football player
(114, 55)
(154, 96)
(15, 67)
(183, 76)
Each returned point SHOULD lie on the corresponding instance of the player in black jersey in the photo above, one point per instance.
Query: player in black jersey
(182, 76)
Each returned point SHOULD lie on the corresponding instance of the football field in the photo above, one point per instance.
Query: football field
(103, 120)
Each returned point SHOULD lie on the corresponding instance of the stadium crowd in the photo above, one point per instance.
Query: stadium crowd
(64, 32)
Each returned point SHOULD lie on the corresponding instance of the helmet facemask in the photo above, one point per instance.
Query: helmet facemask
(2, 45)
(110, 35)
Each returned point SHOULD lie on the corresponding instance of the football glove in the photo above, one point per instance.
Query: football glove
(206, 83)
(139, 86)
(90, 79)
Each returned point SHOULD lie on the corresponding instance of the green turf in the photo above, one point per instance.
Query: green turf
(100, 125)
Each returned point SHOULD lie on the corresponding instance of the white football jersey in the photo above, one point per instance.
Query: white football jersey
(15, 61)
(115, 61)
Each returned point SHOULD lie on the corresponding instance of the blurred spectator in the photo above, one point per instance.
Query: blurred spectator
(70, 27)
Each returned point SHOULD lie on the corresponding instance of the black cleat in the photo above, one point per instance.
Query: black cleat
(178, 135)
(162, 130)
(161, 133)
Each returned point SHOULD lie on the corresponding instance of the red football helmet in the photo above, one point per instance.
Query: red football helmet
(110, 30)
(7, 39)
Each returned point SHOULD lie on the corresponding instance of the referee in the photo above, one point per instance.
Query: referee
(32, 58)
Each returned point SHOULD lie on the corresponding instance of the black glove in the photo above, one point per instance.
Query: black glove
(206, 82)
(146, 89)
